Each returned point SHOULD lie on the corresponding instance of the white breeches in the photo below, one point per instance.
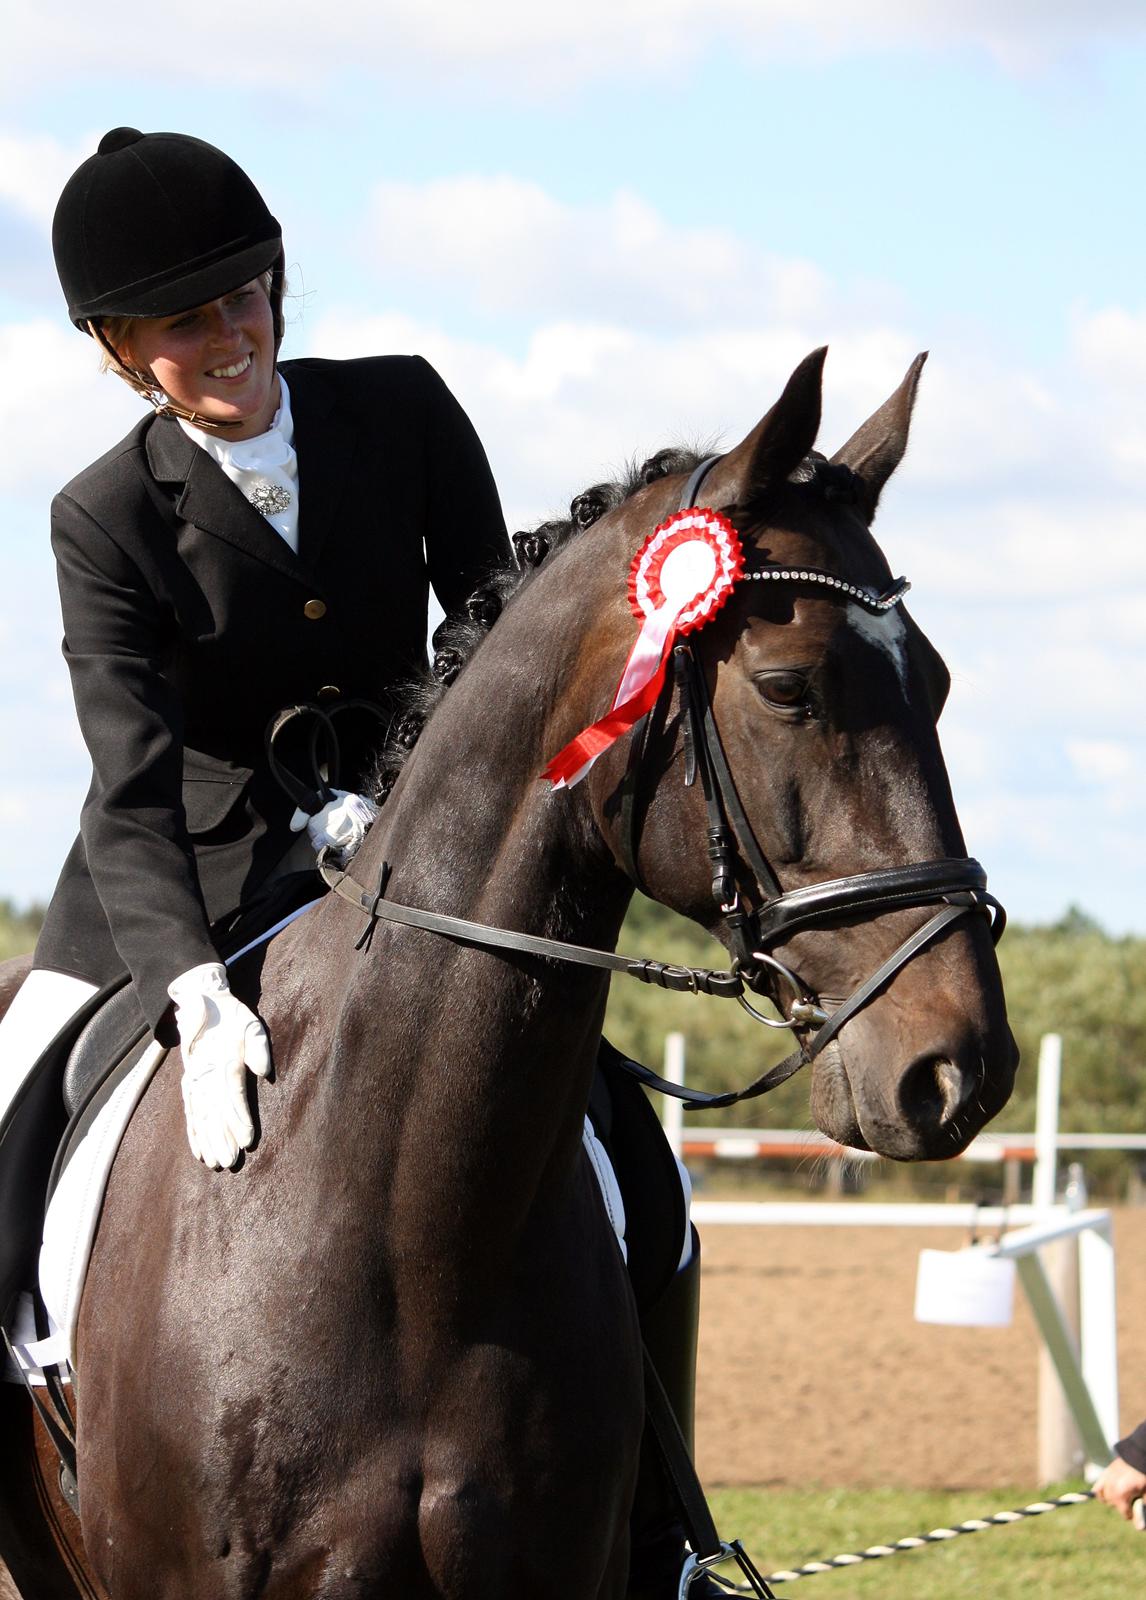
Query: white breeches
(43, 1003)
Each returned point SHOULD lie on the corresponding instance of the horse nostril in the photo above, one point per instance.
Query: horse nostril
(935, 1090)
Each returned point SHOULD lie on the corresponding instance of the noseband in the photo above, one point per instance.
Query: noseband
(958, 886)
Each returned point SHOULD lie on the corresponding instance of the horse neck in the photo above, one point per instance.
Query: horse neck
(472, 831)
(475, 832)
(471, 826)
(488, 1056)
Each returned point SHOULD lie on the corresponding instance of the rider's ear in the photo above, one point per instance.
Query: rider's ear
(783, 437)
(874, 451)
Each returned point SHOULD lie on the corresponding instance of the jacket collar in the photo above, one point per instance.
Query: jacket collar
(324, 441)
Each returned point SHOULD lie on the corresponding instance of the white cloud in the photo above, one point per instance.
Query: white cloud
(509, 245)
(35, 167)
(61, 413)
(732, 315)
(1111, 346)
(1022, 553)
(1101, 761)
(527, 48)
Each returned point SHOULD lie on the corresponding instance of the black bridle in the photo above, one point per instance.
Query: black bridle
(958, 886)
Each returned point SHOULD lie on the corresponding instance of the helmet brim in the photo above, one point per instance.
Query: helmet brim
(184, 291)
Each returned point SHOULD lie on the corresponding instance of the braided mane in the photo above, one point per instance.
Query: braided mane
(456, 638)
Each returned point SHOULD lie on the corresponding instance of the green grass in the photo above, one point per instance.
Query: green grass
(1085, 1552)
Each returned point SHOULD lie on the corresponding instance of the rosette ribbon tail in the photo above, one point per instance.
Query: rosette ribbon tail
(679, 578)
(637, 693)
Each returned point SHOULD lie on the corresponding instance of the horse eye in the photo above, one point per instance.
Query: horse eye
(788, 691)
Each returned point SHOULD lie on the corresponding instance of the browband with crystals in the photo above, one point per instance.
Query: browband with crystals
(680, 577)
(867, 598)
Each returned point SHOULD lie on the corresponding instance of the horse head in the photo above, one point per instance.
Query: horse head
(823, 701)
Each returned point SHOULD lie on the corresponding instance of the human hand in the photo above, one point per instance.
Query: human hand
(1120, 1486)
(341, 824)
(221, 1039)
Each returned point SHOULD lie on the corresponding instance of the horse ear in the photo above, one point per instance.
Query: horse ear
(783, 437)
(874, 451)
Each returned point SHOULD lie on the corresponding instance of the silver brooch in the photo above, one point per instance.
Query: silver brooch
(269, 498)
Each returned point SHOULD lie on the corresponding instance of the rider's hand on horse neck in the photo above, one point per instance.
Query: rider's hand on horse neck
(341, 824)
(220, 1038)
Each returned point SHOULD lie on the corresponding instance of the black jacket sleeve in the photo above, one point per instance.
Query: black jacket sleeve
(465, 528)
(133, 824)
(1132, 1449)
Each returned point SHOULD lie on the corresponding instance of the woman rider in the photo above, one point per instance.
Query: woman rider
(264, 538)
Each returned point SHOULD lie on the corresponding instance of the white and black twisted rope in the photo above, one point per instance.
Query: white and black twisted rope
(876, 1552)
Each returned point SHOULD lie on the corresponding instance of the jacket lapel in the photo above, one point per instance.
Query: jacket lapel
(324, 440)
(210, 500)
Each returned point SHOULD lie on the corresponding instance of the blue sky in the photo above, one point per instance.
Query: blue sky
(614, 225)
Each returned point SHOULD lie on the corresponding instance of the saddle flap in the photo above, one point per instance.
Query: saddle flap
(108, 1036)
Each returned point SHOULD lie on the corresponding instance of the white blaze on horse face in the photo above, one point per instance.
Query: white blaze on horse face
(887, 633)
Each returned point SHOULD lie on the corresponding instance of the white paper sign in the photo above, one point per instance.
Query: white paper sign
(968, 1288)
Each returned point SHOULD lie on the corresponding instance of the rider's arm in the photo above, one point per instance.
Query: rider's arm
(134, 829)
(138, 850)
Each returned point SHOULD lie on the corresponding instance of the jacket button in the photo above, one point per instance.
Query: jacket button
(329, 691)
(314, 609)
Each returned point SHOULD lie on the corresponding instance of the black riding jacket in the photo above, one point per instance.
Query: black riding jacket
(189, 622)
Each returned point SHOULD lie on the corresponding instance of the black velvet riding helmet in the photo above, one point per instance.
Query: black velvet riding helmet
(155, 223)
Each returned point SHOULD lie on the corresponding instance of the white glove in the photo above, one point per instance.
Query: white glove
(219, 1037)
(342, 823)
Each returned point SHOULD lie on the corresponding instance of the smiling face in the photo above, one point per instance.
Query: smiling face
(217, 360)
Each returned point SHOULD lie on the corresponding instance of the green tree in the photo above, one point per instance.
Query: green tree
(18, 929)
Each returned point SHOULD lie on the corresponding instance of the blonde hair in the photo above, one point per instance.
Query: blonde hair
(113, 335)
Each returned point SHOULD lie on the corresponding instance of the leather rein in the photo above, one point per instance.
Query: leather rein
(958, 885)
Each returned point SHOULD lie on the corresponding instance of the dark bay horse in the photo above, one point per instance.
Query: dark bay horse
(395, 1351)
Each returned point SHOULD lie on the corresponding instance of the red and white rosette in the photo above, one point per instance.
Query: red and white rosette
(679, 579)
